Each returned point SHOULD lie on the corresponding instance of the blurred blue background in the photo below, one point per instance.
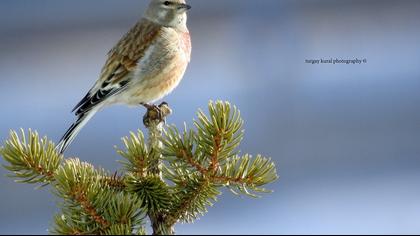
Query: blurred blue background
(345, 138)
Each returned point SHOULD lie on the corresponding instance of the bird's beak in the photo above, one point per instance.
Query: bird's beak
(184, 6)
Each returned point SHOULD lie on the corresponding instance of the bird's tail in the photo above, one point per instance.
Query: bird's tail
(74, 129)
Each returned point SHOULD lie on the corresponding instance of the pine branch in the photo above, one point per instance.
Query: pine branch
(170, 178)
(245, 173)
(31, 159)
(212, 144)
(91, 207)
(202, 160)
(219, 134)
(136, 154)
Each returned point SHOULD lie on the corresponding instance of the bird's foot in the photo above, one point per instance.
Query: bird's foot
(156, 113)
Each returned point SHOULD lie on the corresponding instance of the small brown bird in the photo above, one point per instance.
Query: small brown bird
(146, 64)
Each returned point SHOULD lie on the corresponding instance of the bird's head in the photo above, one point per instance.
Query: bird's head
(170, 13)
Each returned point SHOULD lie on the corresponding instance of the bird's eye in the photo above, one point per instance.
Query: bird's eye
(167, 3)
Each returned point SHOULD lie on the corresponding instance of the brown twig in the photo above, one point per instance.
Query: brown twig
(173, 217)
(215, 155)
(115, 182)
(80, 197)
(38, 168)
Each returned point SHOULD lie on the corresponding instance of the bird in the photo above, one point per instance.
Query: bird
(146, 64)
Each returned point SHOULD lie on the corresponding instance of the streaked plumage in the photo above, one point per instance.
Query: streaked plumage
(144, 66)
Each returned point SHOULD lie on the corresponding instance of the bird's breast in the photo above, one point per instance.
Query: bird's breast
(161, 69)
(185, 44)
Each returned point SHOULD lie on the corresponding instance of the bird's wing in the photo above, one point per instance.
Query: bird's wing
(122, 60)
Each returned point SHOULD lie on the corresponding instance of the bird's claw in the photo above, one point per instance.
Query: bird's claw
(156, 113)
